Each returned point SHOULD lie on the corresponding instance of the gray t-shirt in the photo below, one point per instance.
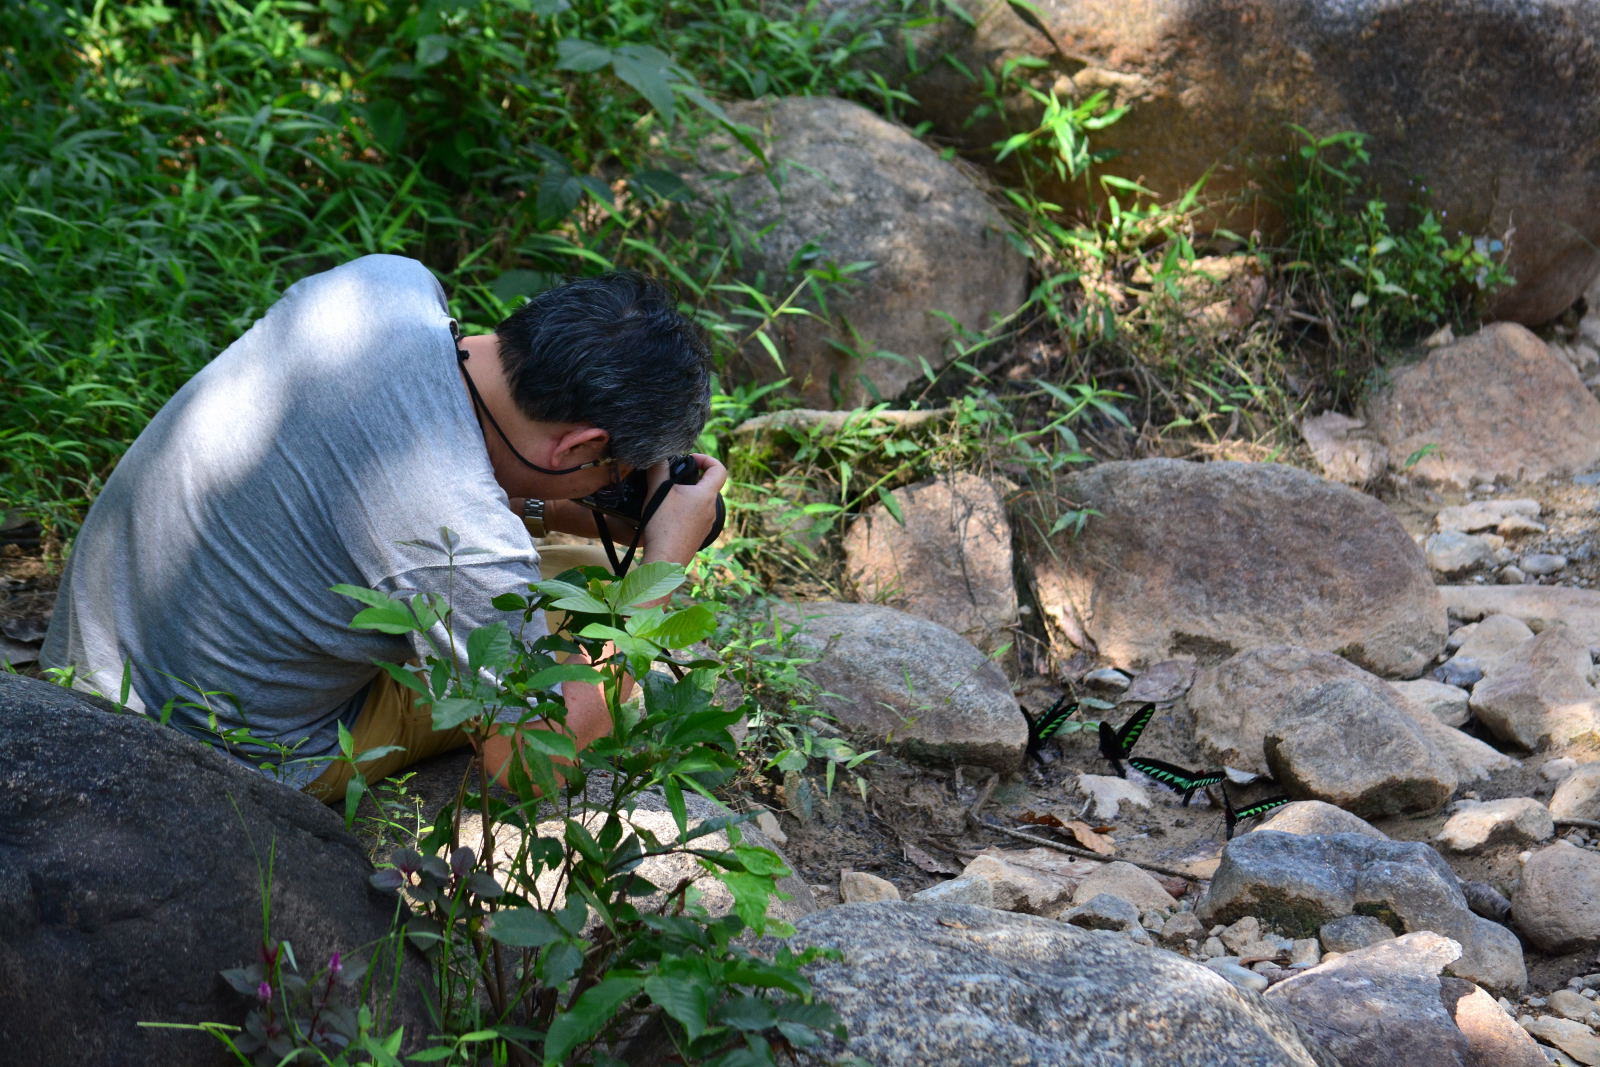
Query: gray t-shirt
(303, 456)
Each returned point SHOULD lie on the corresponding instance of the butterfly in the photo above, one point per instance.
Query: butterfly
(1046, 725)
(1116, 744)
(1234, 816)
(1176, 778)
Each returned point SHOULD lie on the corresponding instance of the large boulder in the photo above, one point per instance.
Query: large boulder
(968, 986)
(1484, 110)
(1298, 883)
(1207, 559)
(133, 869)
(1346, 743)
(946, 557)
(1381, 1005)
(1557, 903)
(848, 187)
(1540, 694)
(909, 682)
(1498, 404)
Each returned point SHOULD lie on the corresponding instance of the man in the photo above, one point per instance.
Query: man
(347, 422)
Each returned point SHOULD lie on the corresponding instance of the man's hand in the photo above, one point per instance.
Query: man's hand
(679, 526)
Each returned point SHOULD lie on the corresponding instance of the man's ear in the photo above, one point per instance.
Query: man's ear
(577, 446)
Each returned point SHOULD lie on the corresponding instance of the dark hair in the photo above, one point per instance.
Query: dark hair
(615, 352)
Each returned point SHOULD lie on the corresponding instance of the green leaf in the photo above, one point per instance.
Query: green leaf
(370, 597)
(392, 618)
(760, 861)
(574, 53)
(747, 1013)
(587, 1016)
(549, 742)
(431, 49)
(891, 505)
(679, 629)
(751, 893)
(565, 672)
(582, 602)
(648, 70)
(403, 676)
(649, 582)
(489, 646)
(684, 997)
(525, 928)
(451, 712)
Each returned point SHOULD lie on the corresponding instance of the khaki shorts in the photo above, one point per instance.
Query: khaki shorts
(392, 716)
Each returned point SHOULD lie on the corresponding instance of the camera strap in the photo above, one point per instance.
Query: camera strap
(620, 567)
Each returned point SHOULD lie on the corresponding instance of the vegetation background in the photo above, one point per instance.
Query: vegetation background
(170, 167)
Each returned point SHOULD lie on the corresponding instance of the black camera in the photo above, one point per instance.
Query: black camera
(626, 499)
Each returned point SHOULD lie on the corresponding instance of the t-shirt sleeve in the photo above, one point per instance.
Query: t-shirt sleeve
(470, 588)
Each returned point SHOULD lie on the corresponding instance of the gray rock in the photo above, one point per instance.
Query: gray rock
(945, 558)
(130, 875)
(1543, 563)
(1133, 884)
(1510, 575)
(1182, 927)
(1318, 817)
(1453, 553)
(1343, 447)
(1380, 1005)
(1498, 403)
(862, 188)
(1512, 820)
(1540, 695)
(1351, 932)
(1493, 1038)
(1571, 1005)
(1297, 884)
(1487, 901)
(1557, 903)
(1575, 1039)
(1237, 702)
(971, 891)
(973, 988)
(1231, 969)
(859, 887)
(1493, 637)
(909, 682)
(1347, 743)
(1104, 912)
(1537, 605)
(1328, 568)
(1458, 671)
(1578, 795)
(1424, 696)
(1477, 515)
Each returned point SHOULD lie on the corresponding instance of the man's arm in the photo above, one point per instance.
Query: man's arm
(674, 534)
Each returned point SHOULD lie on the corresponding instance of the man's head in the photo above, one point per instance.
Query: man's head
(613, 352)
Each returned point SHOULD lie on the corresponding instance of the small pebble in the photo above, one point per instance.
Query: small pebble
(1511, 575)
(1566, 1003)
(1458, 672)
(1543, 563)
(1213, 948)
(1108, 678)
(1245, 979)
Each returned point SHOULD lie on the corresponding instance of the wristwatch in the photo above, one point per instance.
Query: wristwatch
(533, 517)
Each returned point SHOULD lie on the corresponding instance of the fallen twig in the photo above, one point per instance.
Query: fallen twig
(1086, 854)
(1582, 824)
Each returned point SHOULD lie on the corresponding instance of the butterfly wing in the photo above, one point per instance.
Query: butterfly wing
(1168, 774)
(1131, 729)
(1046, 725)
(1109, 749)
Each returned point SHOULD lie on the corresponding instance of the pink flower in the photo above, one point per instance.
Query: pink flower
(264, 991)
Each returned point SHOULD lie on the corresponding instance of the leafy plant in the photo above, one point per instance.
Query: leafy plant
(546, 938)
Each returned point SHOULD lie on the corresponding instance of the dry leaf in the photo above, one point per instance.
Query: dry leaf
(1085, 836)
(1175, 887)
(954, 924)
(928, 862)
(1037, 819)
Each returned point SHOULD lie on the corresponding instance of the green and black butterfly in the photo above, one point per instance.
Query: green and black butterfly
(1116, 744)
(1177, 778)
(1234, 816)
(1047, 724)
